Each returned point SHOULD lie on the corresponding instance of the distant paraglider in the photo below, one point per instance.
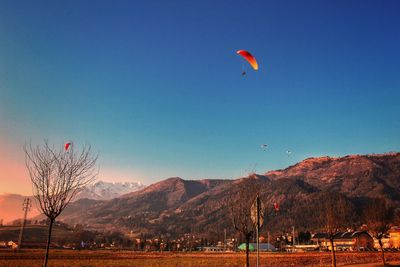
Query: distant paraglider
(249, 58)
(264, 147)
(288, 153)
(67, 145)
(276, 207)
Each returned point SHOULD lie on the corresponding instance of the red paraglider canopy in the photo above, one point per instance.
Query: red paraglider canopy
(249, 57)
(276, 206)
(67, 145)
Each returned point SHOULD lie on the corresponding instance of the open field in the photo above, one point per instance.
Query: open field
(168, 259)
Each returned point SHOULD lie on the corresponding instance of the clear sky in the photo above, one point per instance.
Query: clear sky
(156, 86)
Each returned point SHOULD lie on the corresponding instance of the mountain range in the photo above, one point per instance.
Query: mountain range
(108, 190)
(176, 206)
(11, 204)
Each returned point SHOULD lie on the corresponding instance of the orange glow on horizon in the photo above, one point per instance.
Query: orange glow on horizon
(14, 177)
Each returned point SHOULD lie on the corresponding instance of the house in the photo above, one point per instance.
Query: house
(345, 241)
(385, 242)
(29, 244)
(3, 244)
(390, 240)
(300, 248)
(253, 247)
(211, 249)
(12, 244)
(394, 237)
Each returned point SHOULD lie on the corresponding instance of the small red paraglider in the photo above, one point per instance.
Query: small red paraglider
(67, 145)
(276, 207)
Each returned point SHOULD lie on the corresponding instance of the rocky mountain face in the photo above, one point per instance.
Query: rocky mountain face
(141, 208)
(353, 176)
(175, 206)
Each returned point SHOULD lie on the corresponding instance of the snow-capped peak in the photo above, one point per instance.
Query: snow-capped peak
(102, 190)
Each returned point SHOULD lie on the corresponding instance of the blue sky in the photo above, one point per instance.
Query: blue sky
(156, 87)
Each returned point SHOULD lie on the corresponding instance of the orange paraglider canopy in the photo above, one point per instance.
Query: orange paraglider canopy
(249, 57)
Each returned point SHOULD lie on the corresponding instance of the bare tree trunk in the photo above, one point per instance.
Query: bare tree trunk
(333, 253)
(247, 250)
(57, 176)
(48, 242)
(382, 252)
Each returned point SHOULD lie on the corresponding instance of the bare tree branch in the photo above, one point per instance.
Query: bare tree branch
(335, 217)
(239, 201)
(378, 216)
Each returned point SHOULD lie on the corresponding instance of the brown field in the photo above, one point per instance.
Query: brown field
(168, 259)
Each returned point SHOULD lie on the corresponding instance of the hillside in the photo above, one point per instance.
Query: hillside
(140, 208)
(353, 176)
(176, 206)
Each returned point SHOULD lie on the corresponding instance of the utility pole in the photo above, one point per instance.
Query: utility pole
(257, 216)
(26, 206)
(294, 243)
(224, 239)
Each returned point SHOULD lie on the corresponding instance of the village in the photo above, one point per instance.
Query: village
(76, 238)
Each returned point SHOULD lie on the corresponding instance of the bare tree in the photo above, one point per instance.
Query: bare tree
(335, 216)
(240, 200)
(378, 216)
(57, 175)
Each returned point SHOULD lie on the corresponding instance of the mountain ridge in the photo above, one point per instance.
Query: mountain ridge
(176, 206)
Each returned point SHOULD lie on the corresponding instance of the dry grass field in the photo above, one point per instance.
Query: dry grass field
(168, 259)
